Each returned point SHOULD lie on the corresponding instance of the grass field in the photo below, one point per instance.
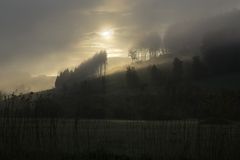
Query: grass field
(101, 139)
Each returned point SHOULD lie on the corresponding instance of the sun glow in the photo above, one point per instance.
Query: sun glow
(107, 34)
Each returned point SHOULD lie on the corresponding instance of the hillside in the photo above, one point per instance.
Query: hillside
(229, 81)
(161, 88)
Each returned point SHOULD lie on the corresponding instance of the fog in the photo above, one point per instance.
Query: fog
(188, 36)
(44, 37)
(20, 82)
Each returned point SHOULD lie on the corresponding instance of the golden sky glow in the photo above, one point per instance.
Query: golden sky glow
(107, 34)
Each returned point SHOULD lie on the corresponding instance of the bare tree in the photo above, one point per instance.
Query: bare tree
(132, 53)
(150, 46)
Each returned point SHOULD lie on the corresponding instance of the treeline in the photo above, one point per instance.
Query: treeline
(156, 93)
(91, 68)
(147, 47)
(152, 93)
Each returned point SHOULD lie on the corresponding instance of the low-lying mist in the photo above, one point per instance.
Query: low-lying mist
(21, 82)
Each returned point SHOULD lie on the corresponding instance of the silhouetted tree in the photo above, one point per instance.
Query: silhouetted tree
(155, 75)
(1, 96)
(132, 53)
(62, 79)
(132, 77)
(199, 71)
(154, 45)
(94, 67)
(177, 70)
(150, 46)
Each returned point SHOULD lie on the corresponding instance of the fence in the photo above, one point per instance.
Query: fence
(136, 139)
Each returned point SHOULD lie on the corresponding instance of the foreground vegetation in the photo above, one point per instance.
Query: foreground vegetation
(28, 138)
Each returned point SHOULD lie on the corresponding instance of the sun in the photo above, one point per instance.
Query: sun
(107, 34)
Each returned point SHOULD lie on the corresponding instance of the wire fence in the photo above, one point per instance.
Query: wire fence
(168, 140)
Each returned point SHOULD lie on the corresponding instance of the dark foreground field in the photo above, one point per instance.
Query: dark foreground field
(105, 139)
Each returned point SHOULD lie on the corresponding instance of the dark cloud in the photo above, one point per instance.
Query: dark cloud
(188, 36)
(45, 36)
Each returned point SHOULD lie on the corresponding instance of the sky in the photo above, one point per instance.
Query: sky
(40, 38)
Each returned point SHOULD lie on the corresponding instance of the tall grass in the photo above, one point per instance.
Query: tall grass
(25, 135)
(132, 139)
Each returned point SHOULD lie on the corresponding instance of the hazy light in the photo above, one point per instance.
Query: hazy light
(107, 34)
